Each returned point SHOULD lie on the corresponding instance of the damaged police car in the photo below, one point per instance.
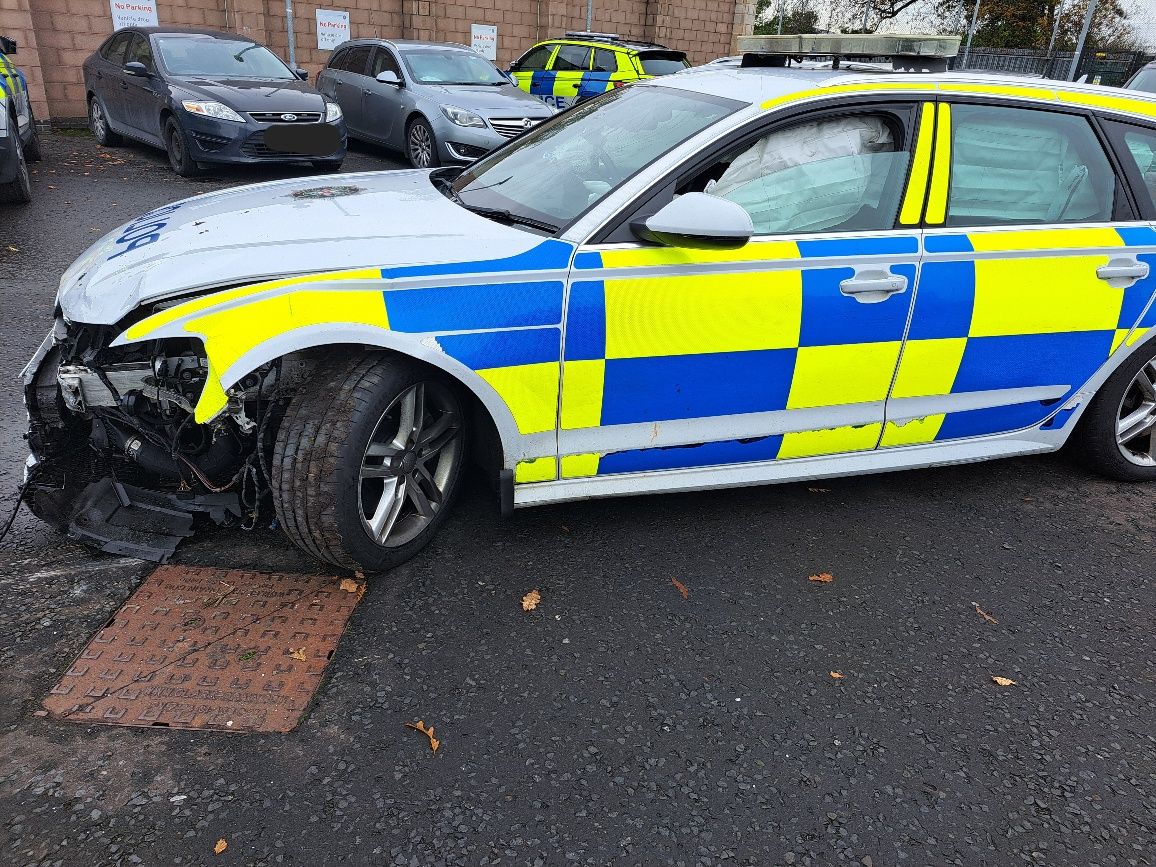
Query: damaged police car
(730, 276)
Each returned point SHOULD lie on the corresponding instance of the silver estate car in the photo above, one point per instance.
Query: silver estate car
(439, 103)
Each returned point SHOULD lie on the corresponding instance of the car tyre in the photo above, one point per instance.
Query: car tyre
(177, 147)
(1103, 441)
(99, 124)
(346, 454)
(421, 146)
(327, 166)
(33, 151)
(19, 189)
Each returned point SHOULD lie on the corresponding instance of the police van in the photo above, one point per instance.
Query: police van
(563, 72)
(19, 141)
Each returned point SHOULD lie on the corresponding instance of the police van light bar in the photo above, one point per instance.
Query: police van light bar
(587, 34)
(921, 51)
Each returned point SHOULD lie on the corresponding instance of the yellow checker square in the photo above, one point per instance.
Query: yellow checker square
(537, 470)
(530, 391)
(928, 367)
(914, 432)
(582, 388)
(1127, 337)
(579, 466)
(1031, 240)
(703, 313)
(836, 440)
(1043, 296)
(847, 373)
(641, 257)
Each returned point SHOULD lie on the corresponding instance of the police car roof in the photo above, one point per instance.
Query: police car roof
(756, 84)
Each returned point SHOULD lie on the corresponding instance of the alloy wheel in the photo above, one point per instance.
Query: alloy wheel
(409, 464)
(421, 146)
(99, 124)
(1136, 418)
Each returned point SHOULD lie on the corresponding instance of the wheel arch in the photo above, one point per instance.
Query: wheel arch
(503, 429)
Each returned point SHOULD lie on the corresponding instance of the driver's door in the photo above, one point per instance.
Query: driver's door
(677, 357)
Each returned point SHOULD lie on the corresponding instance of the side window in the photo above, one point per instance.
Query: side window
(337, 61)
(1014, 165)
(832, 174)
(139, 51)
(605, 60)
(1140, 150)
(535, 59)
(572, 58)
(114, 50)
(358, 59)
(384, 60)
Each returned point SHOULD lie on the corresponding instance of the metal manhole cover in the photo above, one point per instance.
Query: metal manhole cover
(210, 649)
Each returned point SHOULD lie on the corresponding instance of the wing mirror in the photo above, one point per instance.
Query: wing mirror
(7, 45)
(388, 76)
(697, 220)
(135, 67)
(303, 74)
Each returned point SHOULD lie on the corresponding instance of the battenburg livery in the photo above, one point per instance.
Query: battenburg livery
(731, 276)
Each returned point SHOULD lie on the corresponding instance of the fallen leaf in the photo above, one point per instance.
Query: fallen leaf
(434, 743)
(984, 614)
(1003, 681)
(299, 653)
(822, 578)
(680, 587)
(565, 529)
(221, 846)
(819, 490)
(351, 586)
(530, 600)
(12, 249)
(837, 676)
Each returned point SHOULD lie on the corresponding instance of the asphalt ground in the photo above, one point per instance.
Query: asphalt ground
(618, 722)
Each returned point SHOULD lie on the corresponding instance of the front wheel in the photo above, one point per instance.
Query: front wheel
(368, 460)
(1117, 435)
(178, 149)
(421, 145)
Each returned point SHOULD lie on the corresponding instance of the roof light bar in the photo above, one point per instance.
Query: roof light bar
(588, 34)
(918, 51)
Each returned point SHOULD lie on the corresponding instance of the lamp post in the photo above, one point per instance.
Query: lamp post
(289, 32)
(971, 32)
(1074, 68)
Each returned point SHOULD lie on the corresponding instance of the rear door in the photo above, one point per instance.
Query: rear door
(109, 78)
(349, 83)
(381, 105)
(569, 65)
(1030, 280)
(605, 72)
(784, 348)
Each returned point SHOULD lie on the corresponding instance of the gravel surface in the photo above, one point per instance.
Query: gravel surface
(618, 722)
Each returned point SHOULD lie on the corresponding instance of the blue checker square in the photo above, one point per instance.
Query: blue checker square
(1024, 360)
(586, 321)
(1136, 296)
(997, 419)
(705, 455)
(943, 301)
(831, 318)
(504, 348)
(468, 308)
(947, 244)
(696, 386)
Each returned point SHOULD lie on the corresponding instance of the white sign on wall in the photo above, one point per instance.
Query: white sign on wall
(484, 40)
(133, 13)
(332, 28)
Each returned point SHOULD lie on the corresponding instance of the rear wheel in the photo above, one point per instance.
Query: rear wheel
(421, 145)
(1117, 435)
(98, 123)
(19, 189)
(178, 149)
(33, 152)
(368, 460)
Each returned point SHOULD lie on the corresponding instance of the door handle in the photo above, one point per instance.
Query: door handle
(873, 285)
(1122, 273)
(367, 91)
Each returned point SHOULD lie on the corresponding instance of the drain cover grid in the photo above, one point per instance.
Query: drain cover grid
(192, 648)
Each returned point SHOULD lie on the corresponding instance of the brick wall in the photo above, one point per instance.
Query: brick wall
(55, 36)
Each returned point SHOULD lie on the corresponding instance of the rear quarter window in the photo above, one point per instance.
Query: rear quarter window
(662, 63)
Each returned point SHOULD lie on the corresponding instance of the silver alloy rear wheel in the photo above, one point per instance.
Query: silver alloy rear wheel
(1136, 418)
(410, 461)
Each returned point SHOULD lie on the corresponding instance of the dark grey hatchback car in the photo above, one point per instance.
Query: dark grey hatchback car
(209, 97)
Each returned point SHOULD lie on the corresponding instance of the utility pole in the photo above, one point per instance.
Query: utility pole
(1074, 68)
(1055, 32)
(589, 15)
(866, 9)
(971, 32)
(289, 31)
(781, 4)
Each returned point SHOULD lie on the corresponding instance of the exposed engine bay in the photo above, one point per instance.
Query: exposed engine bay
(117, 459)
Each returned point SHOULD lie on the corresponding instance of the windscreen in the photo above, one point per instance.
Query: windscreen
(452, 67)
(559, 169)
(663, 62)
(220, 58)
(1145, 80)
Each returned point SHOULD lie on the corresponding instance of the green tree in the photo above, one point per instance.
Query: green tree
(799, 16)
(1028, 23)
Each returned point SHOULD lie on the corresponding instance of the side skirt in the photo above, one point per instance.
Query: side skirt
(776, 472)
